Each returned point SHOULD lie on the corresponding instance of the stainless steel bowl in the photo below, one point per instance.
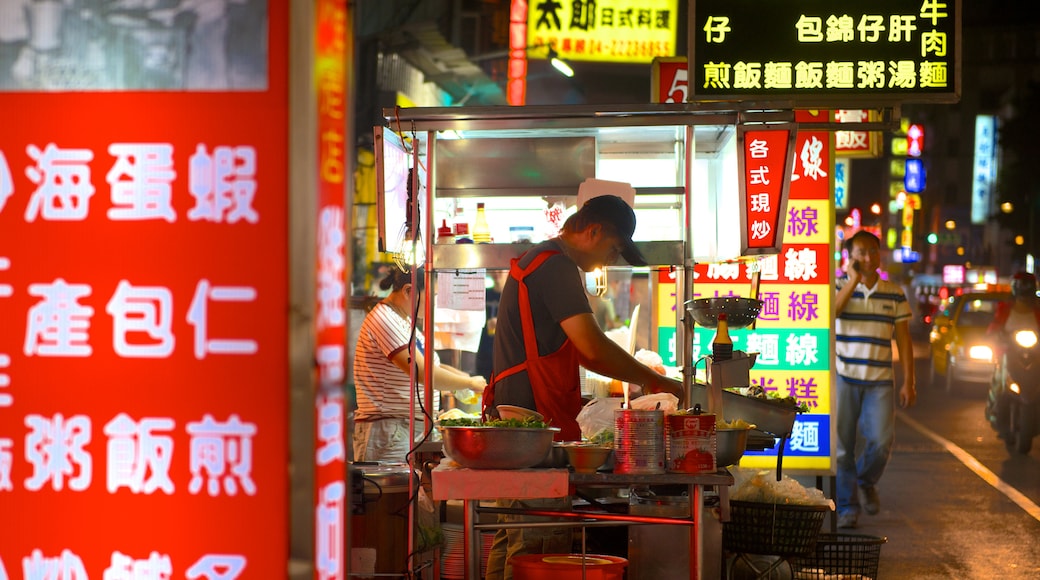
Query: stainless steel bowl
(498, 447)
(730, 445)
(740, 312)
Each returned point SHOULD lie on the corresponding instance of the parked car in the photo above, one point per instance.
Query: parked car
(961, 350)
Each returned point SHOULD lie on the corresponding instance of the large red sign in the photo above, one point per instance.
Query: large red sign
(143, 294)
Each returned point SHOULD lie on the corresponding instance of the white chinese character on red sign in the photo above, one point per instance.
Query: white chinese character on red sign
(56, 448)
(138, 311)
(812, 162)
(197, 317)
(6, 461)
(332, 364)
(331, 264)
(759, 203)
(758, 149)
(156, 567)
(331, 536)
(331, 446)
(223, 184)
(800, 264)
(141, 181)
(760, 229)
(222, 452)
(759, 176)
(58, 325)
(6, 182)
(217, 567)
(62, 177)
(138, 456)
(67, 566)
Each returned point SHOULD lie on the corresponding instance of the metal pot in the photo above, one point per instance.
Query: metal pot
(498, 447)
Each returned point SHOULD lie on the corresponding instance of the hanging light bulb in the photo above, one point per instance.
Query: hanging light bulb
(596, 282)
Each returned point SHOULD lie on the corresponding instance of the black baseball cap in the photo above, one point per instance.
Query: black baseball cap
(612, 210)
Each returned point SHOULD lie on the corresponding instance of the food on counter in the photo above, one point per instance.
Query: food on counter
(756, 392)
(734, 424)
(604, 437)
(526, 423)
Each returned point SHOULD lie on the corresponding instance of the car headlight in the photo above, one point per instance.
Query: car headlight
(980, 352)
(1025, 338)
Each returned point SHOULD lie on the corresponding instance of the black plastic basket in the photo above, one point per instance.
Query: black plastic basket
(841, 556)
(772, 529)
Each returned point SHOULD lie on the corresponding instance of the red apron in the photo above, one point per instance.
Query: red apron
(554, 377)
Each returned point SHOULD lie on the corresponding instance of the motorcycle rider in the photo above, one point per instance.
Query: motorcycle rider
(1022, 312)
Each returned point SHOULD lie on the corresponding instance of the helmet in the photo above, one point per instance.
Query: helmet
(1023, 284)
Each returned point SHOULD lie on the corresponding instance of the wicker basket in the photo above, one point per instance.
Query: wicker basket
(841, 555)
(772, 529)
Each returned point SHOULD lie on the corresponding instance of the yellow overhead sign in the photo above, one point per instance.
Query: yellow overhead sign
(633, 31)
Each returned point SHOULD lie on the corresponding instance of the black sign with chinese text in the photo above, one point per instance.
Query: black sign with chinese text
(825, 50)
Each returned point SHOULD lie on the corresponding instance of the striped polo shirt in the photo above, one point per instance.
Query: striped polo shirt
(382, 387)
(864, 330)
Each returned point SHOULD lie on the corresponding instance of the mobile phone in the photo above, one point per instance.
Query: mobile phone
(855, 266)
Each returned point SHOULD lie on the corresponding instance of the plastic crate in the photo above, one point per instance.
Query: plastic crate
(841, 556)
(772, 529)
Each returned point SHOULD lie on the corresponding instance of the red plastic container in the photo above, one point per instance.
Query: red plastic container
(567, 567)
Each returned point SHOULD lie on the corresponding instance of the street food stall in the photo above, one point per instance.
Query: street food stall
(530, 168)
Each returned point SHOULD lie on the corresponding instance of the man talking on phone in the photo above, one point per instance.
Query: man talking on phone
(870, 312)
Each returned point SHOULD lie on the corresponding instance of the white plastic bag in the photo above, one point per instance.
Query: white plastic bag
(598, 415)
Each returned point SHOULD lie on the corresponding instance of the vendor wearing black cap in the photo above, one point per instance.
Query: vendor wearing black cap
(546, 328)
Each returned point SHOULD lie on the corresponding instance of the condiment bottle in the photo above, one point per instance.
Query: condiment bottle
(445, 235)
(461, 227)
(481, 231)
(722, 345)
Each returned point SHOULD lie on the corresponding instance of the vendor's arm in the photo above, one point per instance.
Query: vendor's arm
(603, 356)
(445, 378)
(905, 348)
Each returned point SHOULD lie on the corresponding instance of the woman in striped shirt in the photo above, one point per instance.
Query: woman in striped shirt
(382, 374)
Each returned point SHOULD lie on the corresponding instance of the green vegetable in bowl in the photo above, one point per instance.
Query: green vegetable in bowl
(526, 423)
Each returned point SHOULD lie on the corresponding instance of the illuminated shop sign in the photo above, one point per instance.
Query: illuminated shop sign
(898, 49)
(633, 31)
(764, 161)
(793, 332)
(984, 172)
(143, 350)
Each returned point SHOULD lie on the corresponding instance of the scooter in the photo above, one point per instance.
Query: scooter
(1013, 404)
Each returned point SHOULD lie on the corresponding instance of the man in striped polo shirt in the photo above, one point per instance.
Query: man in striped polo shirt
(871, 312)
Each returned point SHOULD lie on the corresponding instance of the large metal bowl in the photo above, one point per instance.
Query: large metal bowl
(498, 447)
(740, 312)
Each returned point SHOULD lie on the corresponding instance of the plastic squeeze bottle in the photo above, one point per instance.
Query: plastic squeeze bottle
(722, 346)
(481, 231)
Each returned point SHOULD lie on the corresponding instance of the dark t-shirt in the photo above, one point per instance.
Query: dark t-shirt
(556, 294)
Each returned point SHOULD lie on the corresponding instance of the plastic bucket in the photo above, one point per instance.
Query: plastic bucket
(639, 441)
(568, 567)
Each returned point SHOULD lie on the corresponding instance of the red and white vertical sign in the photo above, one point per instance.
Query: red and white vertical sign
(143, 294)
(764, 163)
(333, 31)
(670, 82)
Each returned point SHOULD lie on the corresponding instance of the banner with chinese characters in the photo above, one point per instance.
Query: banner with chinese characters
(821, 51)
(793, 331)
(632, 31)
(763, 161)
(143, 294)
(333, 33)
